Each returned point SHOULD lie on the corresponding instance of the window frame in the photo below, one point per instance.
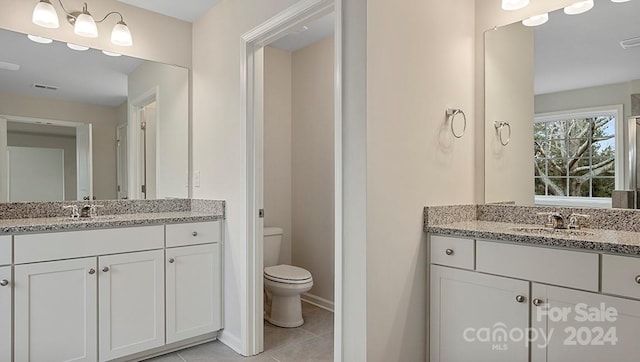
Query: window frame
(619, 169)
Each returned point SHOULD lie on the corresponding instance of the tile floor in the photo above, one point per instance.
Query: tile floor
(311, 342)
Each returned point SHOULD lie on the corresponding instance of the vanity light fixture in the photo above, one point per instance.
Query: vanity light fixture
(579, 8)
(536, 20)
(40, 39)
(620, 1)
(630, 43)
(77, 47)
(514, 4)
(45, 15)
(111, 54)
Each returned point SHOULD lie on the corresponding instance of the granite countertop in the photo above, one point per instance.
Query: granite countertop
(34, 225)
(610, 241)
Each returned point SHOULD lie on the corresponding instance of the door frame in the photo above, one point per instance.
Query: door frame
(134, 152)
(252, 44)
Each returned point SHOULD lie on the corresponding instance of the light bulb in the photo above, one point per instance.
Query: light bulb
(514, 4)
(536, 20)
(121, 35)
(579, 8)
(40, 39)
(85, 26)
(45, 15)
(77, 47)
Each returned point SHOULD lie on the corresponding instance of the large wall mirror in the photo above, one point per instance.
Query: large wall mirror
(82, 124)
(558, 101)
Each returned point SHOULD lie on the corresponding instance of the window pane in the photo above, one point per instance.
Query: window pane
(558, 186)
(579, 187)
(540, 149)
(604, 126)
(579, 128)
(578, 147)
(558, 148)
(603, 187)
(603, 166)
(556, 130)
(578, 166)
(540, 131)
(540, 187)
(540, 167)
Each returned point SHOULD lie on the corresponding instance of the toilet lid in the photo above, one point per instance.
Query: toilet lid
(287, 273)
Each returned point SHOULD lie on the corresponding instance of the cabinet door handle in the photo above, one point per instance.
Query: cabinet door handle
(195, 233)
(521, 299)
(105, 269)
(449, 251)
(638, 279)
(172, 260)
(92, 271)
(4, 283)
(538, 302)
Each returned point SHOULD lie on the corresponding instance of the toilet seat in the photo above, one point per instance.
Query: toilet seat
(287, 274)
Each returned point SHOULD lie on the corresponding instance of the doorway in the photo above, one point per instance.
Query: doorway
(143, 140)
(253, 96)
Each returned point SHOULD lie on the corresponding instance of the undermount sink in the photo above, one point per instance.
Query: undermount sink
(540, 230)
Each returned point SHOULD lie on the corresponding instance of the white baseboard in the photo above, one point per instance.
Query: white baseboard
(231, 341)
(318, 301)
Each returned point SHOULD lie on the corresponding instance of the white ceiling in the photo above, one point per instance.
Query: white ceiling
(580, 51)
(187, 10)
(300, 38)
(88, 77)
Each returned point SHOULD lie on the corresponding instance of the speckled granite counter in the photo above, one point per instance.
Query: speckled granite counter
(116, 214)
(619, 234)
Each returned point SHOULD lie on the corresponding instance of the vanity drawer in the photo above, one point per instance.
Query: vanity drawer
(452, 251)
(76, 244)
(553, 266)
(194, 233)
(5, 250)
(619, 274)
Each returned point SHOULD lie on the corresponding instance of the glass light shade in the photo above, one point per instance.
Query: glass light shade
(514, 4)
(77, 47)
(85, 26)
(40, 39)
(620, 1)
(579, 8)
(536, 20)
(121, 35)
(45, 15)
(111, 54)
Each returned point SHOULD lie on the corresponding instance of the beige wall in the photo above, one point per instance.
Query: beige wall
(277, 145)
(606, 95)
(172, 140)
(155, 37)
(420, 61)
(509, 72)
(102, 118)
(219, 138)
(313, 164)
(66, 143)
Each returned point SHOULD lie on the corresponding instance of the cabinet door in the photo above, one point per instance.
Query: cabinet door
(602, 337)
(193, 291)
(131, 303)
(56, 311)
(5, 313)
(473, 315)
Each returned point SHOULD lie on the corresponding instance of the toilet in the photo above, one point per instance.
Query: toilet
(283, 284)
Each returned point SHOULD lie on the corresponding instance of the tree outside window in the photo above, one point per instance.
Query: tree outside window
(575, 156)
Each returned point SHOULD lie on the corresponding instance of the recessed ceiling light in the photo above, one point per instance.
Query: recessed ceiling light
(630, 43)
(9, 66)
(514, 4)
(39, 39)
(536, 20)
(77, 47)
(111, 54)
(579, 8)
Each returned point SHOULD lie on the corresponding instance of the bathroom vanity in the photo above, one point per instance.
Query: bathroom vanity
(509, 291)
(113, 287)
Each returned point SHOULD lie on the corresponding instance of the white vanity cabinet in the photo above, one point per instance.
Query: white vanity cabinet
(482, 314)
(194, 291)
(131, 303)
(56, 311)
(6, 296)
(466, 303)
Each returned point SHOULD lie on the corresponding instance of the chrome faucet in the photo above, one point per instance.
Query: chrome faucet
(573, 220)
(74, 211)
(554, 220)
(90, 210)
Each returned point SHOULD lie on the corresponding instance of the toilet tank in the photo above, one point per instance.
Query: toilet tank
(272, 242)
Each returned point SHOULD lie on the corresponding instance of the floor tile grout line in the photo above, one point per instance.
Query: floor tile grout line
(182, 358)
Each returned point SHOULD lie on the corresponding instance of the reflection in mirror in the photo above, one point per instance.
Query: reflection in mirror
(567, 88)
(80, 125)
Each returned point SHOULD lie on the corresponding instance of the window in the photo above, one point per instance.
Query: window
(577, 157)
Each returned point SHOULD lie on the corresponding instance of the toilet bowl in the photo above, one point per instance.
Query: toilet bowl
(283, 284)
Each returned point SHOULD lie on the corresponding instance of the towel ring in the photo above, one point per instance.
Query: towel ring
(500, 126)
(452, 113)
